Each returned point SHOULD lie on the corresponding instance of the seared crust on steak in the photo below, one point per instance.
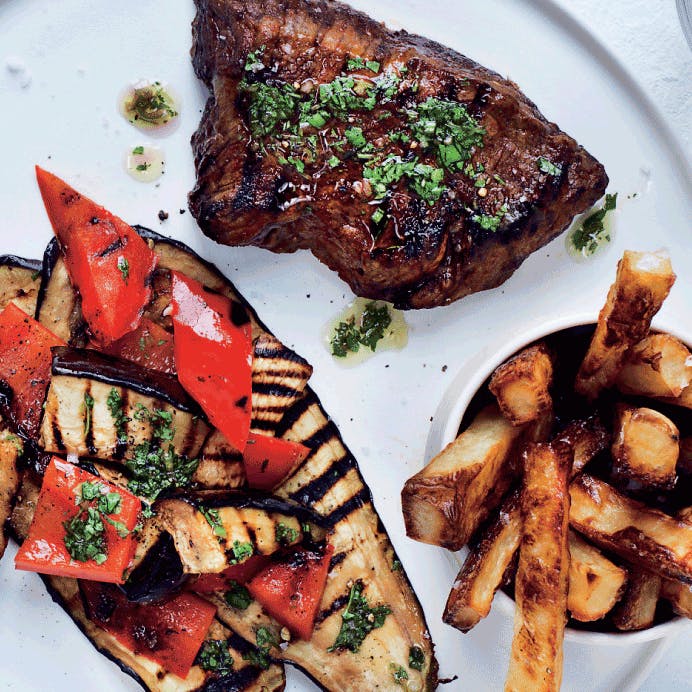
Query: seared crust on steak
(426, 255)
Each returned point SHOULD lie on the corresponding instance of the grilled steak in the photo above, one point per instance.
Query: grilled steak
(415, 173)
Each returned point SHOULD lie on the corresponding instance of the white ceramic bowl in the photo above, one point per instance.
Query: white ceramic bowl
(445, 428)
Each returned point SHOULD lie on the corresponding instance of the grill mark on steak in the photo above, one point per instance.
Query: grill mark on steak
(427, 255)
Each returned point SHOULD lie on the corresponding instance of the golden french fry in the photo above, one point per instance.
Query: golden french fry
(595, 583)
(645, 447)
(659, 365)
(638, 606)
(521, 385)
(587, 438)
(543, 571)
(685, 459)
(642, 282)
(483, 571)
(449, 499)
(679, 596)
(684, 400)
(645, 537)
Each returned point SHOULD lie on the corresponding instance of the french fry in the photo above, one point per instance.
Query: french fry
(684, 400)
(645, 447)
(521, 385)
(483, 571)
(659, 365)
(637, 609)
(684, 464)
(449, 499)
(642, 282)
(678, 594)
(595, 583)
(587, 438)
(542, 575)
(645, 537)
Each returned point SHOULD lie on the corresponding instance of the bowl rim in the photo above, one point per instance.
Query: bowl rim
(469, 378)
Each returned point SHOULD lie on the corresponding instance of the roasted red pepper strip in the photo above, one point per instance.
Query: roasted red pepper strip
(268, 460)
(150, 345)
(242, 573)
(213, 355)
(108, 262)
(291, 590)
(25, 362)
(44, 549)
(170, 632)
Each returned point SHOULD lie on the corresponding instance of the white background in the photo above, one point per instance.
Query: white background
(65, 120)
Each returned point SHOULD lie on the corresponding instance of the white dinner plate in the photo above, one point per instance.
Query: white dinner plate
(62, 66)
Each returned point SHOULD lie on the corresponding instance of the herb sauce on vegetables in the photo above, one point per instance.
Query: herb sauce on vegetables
(364, 328)
(358, 620)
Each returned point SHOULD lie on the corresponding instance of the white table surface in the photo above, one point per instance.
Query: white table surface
(646, 37)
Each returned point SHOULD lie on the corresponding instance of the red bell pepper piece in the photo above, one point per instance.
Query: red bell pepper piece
(291, 589)
(268, 460)
(213, 355)
(150, 345)
(108, 262)
(242, 573)
(169, 633)
(25, 363)
(45, 550)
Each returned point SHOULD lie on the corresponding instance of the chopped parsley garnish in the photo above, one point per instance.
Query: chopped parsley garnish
(546, 166)
(358, 620)
(156, 468)
(88, 408)
(446, 128)
(396, 565)
(138, 150)
(123, 264)
(85, 537)
(348, 336)
(280, 116)
(241, 552)
(85, 532)
(120, 420)
(592, 233)
(260, 656)
(237, 596)
(214, 656)
(285, 535)
(141, 167)
(416, 658)
(270, 108)
(360, 64)
(490, 223)
(398, 673)
(213, 519)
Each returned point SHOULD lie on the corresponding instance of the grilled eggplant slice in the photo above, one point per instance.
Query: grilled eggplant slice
(19, 282)
(98, 406)
(329, 482)
(10, 451)
(58, 306)
(214, 530)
